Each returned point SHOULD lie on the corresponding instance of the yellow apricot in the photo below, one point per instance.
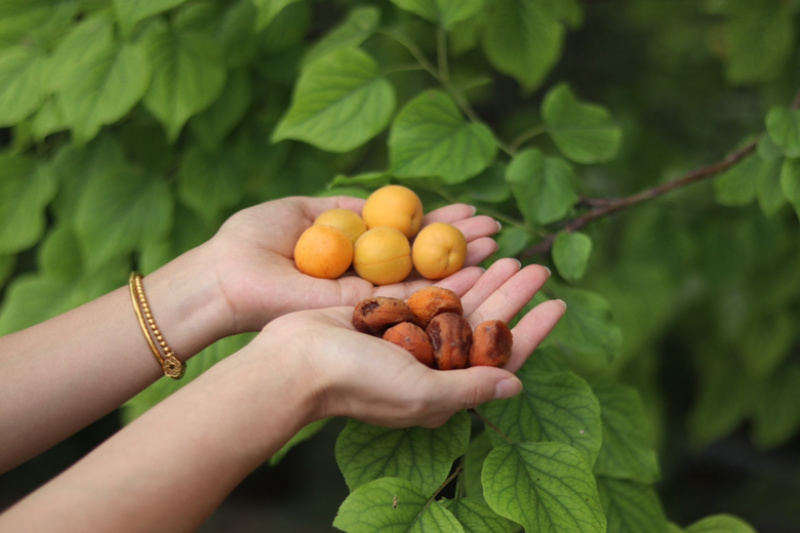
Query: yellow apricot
(439, 250)
(382, 255)
(323, 252)
(394, 206)
(346, 221)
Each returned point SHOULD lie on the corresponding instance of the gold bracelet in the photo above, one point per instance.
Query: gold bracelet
(171, 365)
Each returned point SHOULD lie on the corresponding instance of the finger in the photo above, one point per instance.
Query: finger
(510, 297)
(314, 206)
(476, 227)
(454, 390)
(532, 329)
(449, 213)
(460, 282)
(497, 274)
(480, 249)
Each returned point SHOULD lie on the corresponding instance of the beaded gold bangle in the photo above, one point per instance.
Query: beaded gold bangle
(171, 365)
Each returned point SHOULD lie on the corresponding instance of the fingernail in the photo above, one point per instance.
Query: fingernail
(549, 272)
(507, 388)
(563, 303)
(499, 225)
(474, 210)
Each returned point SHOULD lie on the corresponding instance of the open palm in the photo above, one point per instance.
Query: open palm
(253, 259)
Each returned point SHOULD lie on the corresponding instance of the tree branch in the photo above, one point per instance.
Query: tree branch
(611, 206)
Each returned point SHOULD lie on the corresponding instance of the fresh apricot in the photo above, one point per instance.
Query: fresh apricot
(323, 252)
(395, 206)
(346, 221)
(382, 255)
(439, 250)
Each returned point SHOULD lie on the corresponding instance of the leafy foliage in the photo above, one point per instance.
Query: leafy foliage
(134, 128)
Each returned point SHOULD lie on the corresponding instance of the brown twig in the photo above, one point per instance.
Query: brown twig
(603, 207)
(609, 207)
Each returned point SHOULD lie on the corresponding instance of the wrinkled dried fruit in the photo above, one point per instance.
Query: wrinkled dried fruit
(374, 315)
(491, 344)
(431, 301)
(451, 337)
(414, 339)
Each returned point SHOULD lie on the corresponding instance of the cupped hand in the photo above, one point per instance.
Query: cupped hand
(253, 259)
(375, 381)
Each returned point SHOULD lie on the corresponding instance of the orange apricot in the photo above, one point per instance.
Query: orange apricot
(346, 221)
(382, 255)
(395, 206)
(323, 252)
(439, 250)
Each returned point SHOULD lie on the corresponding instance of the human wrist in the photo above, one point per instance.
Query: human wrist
(187, 304)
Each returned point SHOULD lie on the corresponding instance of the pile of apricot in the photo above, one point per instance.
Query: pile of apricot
(431, 325)
(383, 244)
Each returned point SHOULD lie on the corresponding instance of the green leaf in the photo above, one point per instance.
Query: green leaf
(783, 125)
(628, 451)
(429, 138)
(48, 120)
(553, 406)
(543, 186)
(738, 185)
(544, 486)
(103, 89)
(129, 12)
(479, 448)
(268, 10)
(59, 255)
(511, 241)
(768, 188)
(83, 43)
(188, 75)
(571, 250)
(215, 123)
(422, 456)
(120, 210)
(22, 70)
(583, 132)
(724, 397)
(522, 39)
(209, 183)
(720, 523)
(586, 328)
(776, 415)
(393, 505)
(360, 24)
(339, 104)
(444, 13)
(476, 517)
(631, 507)
(767, 342)
(759, 42)
(26, 187)
(34, 20)
(790, 182)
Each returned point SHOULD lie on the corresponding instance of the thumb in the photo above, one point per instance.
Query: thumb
(477, 385)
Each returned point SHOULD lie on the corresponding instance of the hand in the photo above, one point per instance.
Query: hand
(375, 381)
(253, 259)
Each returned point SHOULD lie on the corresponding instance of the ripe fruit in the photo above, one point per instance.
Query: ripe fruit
(373, 315)
(382, 255)
(491, 344)
(395, 206)
(439, 250)
(430, 301)
(346, 221)
(323, 252)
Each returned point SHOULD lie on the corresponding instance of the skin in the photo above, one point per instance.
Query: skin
(306, 363)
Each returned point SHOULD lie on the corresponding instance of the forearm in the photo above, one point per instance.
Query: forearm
(69, 371)
(169, 469)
